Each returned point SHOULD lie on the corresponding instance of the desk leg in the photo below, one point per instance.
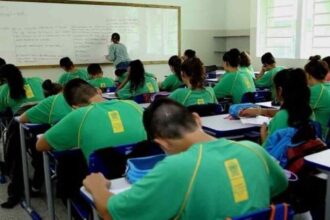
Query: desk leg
(48, 186)
(327, 199)
(25, 167)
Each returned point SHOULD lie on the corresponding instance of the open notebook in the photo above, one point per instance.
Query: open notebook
(259, 120)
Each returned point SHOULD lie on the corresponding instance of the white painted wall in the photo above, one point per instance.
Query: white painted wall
(200, 21)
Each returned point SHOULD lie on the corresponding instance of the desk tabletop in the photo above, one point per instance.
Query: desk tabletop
(223, 123)
(268, 105)
(144, 105)
(109, 95)
(117, 186)
(320, 160)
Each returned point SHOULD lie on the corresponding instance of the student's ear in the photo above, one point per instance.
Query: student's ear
(197, 119)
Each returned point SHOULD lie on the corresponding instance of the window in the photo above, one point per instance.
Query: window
(293, 28)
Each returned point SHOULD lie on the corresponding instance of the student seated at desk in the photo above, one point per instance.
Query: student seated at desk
(267, 73)
(317, 70)
(15, 92)
(71, 72)
(234, 83)
(201, 178)
(293, 93)
(95, 124)
(172, 81)
(137, 82)
(245, 65)
(97, 79)
(193, 76)
(51, 88)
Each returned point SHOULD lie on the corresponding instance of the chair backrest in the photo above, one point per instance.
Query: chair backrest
(274, 212)
(207, 109)
(111, 161)
(108, 89)
(159, 95)
(225, 102)
(143, 98)
(258, 96)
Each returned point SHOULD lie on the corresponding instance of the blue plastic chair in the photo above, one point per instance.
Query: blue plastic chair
(109, 89)
(258, 96)
(159, 95)
(143, 98)
(207, 109)
(274, 212)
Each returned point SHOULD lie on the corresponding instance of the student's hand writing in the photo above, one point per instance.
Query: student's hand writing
(95, 181)
(250, 112)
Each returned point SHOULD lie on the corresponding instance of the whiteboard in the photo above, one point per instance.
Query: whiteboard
(40, 33)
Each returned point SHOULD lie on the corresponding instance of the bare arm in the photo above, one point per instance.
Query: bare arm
(23, 118)
(43, 145)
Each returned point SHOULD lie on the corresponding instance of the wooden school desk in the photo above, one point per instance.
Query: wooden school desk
(321, 161)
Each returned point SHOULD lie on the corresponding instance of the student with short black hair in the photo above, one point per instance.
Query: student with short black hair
(71, 72)
(118, 53)
(173, 81)
(327, 60)
(137, 82)
(2, 62)
(267, 73)
(234, 83)
(97, 79)
(199, 169)
(293, 93)
(188, 54)
(193, 76)
(113, 123)
(317, 71)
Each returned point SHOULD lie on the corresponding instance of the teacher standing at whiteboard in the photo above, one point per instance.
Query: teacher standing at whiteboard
(118, 53)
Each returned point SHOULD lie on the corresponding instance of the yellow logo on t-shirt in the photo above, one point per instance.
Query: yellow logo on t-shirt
(247, 83)
(117, 124)
(150, 87)
(103, 85)
(28, 91)
(200, 101)
(237, 180)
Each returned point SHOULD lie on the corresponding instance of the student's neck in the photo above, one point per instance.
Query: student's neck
(232, 69)
(73, 69)
(97, 76)
(195, 137)
(313, 81)
(96, 99)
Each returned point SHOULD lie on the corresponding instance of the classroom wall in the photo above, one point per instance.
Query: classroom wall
(201, 21)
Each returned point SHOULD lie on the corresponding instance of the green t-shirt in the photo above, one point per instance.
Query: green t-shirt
(188, 97)
(320, 104)
(279, 121)
(225, 184)
(102, 83)
(33, 92)
(66, 77)
(234, 84)
(120, 79)
(150, 75)
(49, 111)
(267, 80)
(150, 86)
(100, 125)
(248, 70)
(171, 83)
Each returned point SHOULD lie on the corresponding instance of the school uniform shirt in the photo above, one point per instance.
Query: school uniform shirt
(171, 83)
(320, 104)
(97, 126)
(102, 83)
(211, 180)
(267, 80)
(49, 111)
(66, 77)
(279, 121)
(33, 91)
(120, 79)
(118, 53)
(249, 70)
(188, 96)
(150, 86)
(234, 84)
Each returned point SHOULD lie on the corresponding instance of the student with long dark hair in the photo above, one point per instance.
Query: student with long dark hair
(71, 72)
(137, 82)
(293, 93)
(316, 71)
(193, 76)
(173, 81)
(268, 72)
(15, 92)
(246, 65)
(234, 83)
